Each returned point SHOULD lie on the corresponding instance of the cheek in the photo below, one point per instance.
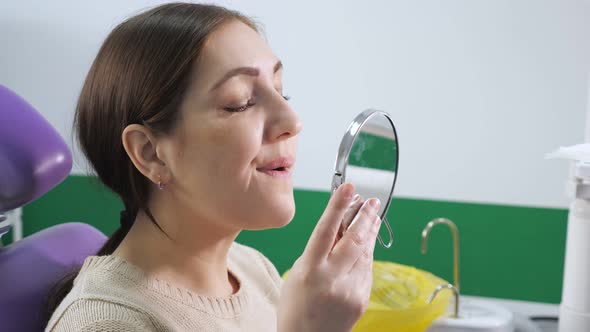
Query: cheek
(235, 148)
(222, 156)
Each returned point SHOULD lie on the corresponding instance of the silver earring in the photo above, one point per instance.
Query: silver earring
(160, 184)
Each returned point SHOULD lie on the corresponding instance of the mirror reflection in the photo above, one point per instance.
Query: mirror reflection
(372, 162)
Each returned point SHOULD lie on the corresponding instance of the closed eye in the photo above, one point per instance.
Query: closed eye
(242, 108)
(249, 104)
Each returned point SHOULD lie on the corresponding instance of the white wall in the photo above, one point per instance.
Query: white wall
(588, 115)
(479, 90)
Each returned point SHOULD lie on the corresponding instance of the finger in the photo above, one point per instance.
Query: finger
(367, 283)
(364, 276)
(323, 236)
(338, 237)
(355, 206)
(357, 238)
(365, 261)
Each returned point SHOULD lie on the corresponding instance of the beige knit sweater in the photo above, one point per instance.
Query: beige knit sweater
(110, 294)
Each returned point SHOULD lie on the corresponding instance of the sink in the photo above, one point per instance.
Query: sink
(476, 316)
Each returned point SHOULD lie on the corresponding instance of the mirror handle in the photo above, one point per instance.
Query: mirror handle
(390, 242)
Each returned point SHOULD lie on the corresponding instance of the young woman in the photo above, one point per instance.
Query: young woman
(182, 116)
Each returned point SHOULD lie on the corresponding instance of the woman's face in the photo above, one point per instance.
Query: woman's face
(232, 153)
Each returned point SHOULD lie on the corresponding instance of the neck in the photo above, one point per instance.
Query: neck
(192, 254)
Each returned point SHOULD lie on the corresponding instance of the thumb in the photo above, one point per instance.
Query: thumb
(323, 236)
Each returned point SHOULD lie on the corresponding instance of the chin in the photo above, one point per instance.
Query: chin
(279, 216)
(285, 220)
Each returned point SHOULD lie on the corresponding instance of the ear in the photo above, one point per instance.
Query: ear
(142, 148)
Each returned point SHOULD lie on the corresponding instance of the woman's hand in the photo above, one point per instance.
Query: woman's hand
(329, 286)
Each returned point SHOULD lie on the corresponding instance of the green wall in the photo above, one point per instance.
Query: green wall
(374, 151)
(506, 251)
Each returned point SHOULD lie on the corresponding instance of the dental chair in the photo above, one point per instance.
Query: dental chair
(33, 160)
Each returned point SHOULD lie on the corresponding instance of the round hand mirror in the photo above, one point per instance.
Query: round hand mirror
(368, 158)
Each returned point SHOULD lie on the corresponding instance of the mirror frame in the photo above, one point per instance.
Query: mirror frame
(348, 140)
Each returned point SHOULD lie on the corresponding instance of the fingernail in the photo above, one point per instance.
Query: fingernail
(374, 203)
(355, 199)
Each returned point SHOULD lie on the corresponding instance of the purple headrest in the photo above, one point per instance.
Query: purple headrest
(33, 156)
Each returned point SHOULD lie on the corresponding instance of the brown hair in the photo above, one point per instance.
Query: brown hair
(138, 77)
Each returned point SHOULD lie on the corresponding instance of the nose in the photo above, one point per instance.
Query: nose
(282, 121)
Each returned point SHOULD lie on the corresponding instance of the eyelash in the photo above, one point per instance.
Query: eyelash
(248, 105)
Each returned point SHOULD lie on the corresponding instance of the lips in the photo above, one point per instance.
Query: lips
(278, 167)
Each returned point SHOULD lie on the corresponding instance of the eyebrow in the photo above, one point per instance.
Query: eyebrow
(251, 71)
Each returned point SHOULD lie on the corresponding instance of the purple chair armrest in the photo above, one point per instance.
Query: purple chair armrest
(29, 268)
